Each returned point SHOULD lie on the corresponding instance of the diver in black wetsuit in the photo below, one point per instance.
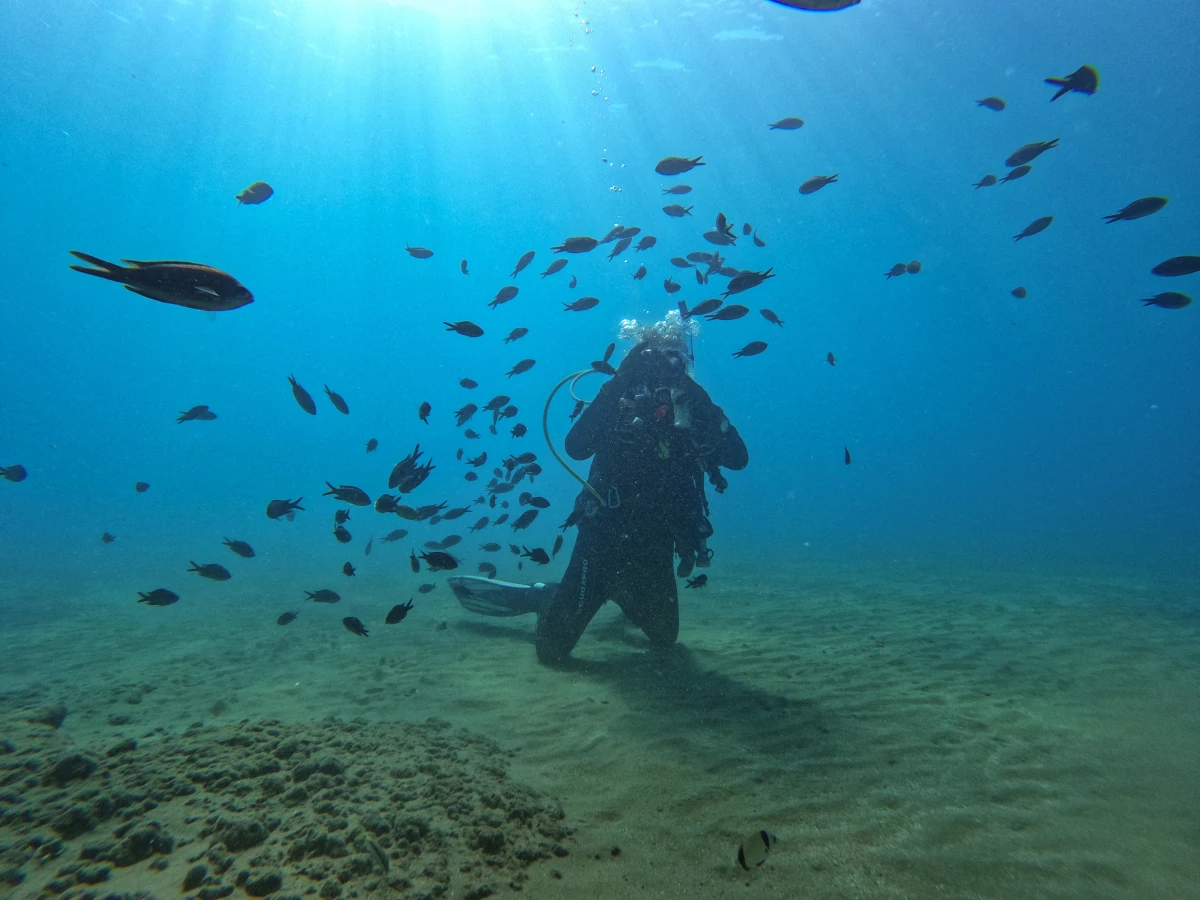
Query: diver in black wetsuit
(654, 434)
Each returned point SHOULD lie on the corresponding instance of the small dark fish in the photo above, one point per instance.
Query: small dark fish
(348, 569)
(640, 273)
(576, 245)
(338, 403)
(518, 430)
(573, 282)
(608, 352)
(412, 562)
(353, 624)
(504, 295)
(728, 313)
(556, 266)
(277, 509)
(397, 613)
(1084, 80)
(847, 458)
(489, 548)
(303, 397)
(1029, 152)
(526, 259)
(581, 304)
(516, 334)
(1169, 300)
(394, 535)
(719, 238)
(179, 283)
(367, 548)
(514, 549)
(744, 281)
(619, 247)
(771, 317)
(426, 588)
(487, 569)
(523, 366)
(677, 165)
(107, 538)
(671, 286)
(817, 182)
(480, 524)
(572, 519)
(537, 502)
(1018, 172)
(423, 412)
(343, 536)
(197, 414)
(752, 349)
(347, 493)
(537, 554)
(1020, 293)
(985, 181)
(646, 243)
(464, 414)
(287, 618)
(141, 487)
(678, 189)
(791, 123)
(418, 252)
(466, 329)
(472, 435)
(386, 503)
(703, 307)
(214, 571)
(324, 595)
(456, 513)
(1034, 227)
(579, 406)
(914, 267)
(372, 444)
(676, 211)
(255, 194)
(759, 242)
(158, 597)
(468, 383)
(992, 103)
(1137, 209)
(1177, 265)
(241, 548)
(524, 520)
(698, 582)
(439, 561)
(558, 542)
(680, 263)
(829, 358)
(462, 267)
(895, 271)
(342, 516)
(746, 229)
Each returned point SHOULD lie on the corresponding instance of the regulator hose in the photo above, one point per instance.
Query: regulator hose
(572, 379)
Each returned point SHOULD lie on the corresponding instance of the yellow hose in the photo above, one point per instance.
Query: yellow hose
(573, 377)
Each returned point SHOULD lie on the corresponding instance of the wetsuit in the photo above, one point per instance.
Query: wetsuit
(649, 468)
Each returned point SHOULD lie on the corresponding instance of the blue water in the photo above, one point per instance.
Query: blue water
(1060, 430)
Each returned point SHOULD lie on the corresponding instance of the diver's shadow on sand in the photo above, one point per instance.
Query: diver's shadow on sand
(669, 687)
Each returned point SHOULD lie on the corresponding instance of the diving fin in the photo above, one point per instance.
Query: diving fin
(500, 598)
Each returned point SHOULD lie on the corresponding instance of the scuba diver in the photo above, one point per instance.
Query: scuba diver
(654, 434)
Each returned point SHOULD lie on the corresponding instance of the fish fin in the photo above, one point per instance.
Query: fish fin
(95, 261)
(1062, 90)
(139, 292)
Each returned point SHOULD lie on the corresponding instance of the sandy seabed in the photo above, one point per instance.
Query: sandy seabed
(915, 734)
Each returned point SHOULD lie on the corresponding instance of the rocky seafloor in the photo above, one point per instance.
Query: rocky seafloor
(327, 809)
